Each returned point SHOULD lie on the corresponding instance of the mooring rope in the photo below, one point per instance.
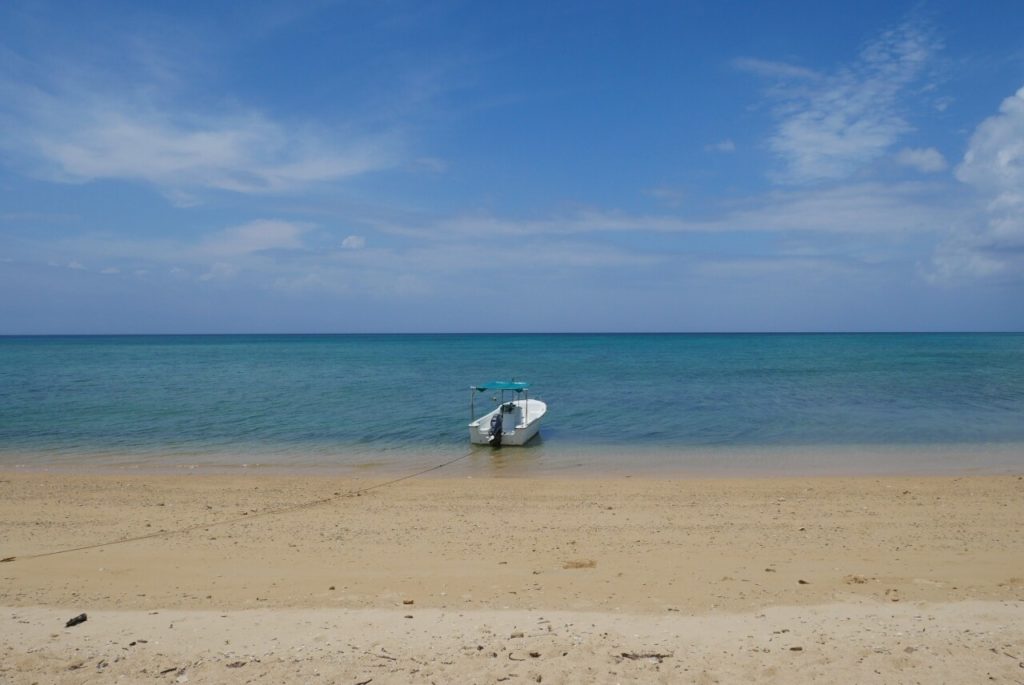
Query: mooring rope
(244, 517)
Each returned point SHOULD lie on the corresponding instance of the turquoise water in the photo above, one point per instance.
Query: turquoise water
(764, 403)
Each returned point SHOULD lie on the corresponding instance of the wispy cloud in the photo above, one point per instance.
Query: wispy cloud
(831, 125)
(854, 209)
(146, 120)
(353, 242)
(68, 136)
(253, 237)
(927, 160)
(775, 70)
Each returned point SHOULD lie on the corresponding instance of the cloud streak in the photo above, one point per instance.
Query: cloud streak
(831, 125)
(775, 70)
(852, 209)
(246, 152)
(76, 123)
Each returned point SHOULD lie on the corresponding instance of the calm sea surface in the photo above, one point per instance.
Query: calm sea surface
(859, 403)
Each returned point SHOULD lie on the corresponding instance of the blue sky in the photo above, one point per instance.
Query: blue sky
(530, 166)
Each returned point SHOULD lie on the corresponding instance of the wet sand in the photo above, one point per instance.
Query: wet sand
(235, 578)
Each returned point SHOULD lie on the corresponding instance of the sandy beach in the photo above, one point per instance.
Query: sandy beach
(286, 578)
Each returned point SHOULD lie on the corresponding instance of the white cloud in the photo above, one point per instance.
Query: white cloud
(994, 161)
(256, 236)
(354, 242)
(830, 127)
(993, 166)
(927, 160)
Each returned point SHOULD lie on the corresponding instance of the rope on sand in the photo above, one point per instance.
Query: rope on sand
(246, 517)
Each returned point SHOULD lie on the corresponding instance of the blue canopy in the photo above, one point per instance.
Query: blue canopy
(502, 385)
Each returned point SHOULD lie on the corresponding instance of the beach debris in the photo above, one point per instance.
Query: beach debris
(635, 656)
(365, 682)
(81, 618)
(237, 664)
(6, 559)
(579, 563)
(855, 580)
(534, 655)
(331, 587)
(75, 666)
(408, 601)
(803, 582)
(168, 670)
(408, 615)
(796, 649)
(516, 634)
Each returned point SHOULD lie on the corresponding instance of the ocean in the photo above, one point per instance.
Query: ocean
(655, 403)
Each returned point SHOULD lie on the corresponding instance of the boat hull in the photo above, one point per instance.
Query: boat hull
(518, 430)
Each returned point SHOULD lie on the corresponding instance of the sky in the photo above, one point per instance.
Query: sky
(389, 166)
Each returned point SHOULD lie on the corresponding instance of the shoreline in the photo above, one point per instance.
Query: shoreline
(543, 461)
(712, 571)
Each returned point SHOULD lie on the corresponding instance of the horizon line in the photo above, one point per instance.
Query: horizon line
(516, 333)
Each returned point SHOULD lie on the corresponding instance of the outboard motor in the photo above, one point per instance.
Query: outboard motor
(494, 437)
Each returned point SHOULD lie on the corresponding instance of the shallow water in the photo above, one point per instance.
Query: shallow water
(652, 403)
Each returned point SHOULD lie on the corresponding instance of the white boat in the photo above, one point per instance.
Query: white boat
(514, 420)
